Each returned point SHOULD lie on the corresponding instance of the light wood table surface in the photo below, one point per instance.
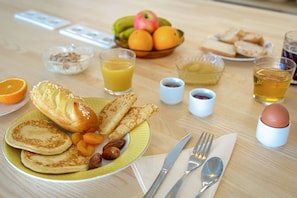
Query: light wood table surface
(253, 170)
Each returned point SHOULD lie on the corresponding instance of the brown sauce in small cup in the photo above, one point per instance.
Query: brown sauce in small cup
(201, 97)
(172, 85)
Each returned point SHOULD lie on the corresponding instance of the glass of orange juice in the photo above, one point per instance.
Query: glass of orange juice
(117, 67)
(272, 77)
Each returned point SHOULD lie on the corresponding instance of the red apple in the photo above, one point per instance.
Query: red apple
(146, 20)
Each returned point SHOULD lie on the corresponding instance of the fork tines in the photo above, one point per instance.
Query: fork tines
(203, 145)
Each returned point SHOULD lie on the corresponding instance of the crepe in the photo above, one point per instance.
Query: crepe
(67, 162)
(38, 136)
(132, 119)
(113, 112)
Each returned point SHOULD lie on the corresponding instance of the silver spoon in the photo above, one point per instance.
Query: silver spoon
(210, 173)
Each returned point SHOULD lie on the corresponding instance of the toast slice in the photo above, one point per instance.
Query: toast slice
(132, 119)
(67, 162)
(38, 136)
(113, 112)
(249, 49)
(253, 38)
(231, 35)
(218, 47)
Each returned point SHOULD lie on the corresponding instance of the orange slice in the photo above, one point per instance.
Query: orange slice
(12, 90)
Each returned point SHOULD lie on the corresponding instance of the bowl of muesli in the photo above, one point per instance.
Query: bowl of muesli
(68, 59)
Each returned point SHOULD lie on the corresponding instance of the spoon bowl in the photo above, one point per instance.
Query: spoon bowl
(210, 174)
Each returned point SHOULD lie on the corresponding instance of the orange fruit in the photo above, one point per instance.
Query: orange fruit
(166, 37)
(140, 40)
(12, 90)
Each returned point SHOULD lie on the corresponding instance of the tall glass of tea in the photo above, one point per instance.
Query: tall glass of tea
(272, 77)
(290, 50)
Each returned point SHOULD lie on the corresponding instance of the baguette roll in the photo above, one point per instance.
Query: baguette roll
(65, 109)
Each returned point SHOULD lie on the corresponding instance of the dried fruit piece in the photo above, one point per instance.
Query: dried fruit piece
(93, 138)
(111, 153)
(76, 137)
(95, 161)
(120, 143)
(85, 149)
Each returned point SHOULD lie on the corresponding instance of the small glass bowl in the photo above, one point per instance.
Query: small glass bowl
(200, 69)
(68, 59)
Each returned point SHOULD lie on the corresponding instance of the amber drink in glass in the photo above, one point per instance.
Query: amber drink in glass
(272, 77)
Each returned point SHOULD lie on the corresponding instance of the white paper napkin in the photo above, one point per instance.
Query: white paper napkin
(147, 168)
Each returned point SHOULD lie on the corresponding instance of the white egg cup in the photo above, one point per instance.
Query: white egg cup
(272, 137)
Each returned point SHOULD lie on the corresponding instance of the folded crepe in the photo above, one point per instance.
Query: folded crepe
(134, 117)
(113, 112)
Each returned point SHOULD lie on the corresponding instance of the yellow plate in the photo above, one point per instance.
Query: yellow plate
(137, 142)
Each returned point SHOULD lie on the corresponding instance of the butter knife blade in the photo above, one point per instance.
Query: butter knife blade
(168, 163)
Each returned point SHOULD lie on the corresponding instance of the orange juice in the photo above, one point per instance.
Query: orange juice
(117, 73)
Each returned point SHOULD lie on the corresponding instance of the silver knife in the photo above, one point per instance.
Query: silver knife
(168, 162)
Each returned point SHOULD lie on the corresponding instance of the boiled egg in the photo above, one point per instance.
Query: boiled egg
(276, 116)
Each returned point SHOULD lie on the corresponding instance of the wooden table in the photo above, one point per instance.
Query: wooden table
(253, 171)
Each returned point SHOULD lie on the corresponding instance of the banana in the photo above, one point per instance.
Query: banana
(126, 33)
(163, 22)
(122, 24)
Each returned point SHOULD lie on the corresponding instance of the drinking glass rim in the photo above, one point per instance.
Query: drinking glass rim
(269, 59)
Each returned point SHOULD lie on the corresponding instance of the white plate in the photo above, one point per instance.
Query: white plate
(6, 109)
(267, 44)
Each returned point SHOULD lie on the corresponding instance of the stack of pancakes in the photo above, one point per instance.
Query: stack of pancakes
(46, 148)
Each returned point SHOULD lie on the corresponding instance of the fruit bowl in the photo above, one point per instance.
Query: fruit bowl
(153, 53)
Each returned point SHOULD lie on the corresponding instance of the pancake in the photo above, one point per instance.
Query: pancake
(134, 117)
(38, 136)
(114, 111)
(67, 162)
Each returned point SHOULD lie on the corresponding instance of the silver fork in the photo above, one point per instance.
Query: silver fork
(197, 158)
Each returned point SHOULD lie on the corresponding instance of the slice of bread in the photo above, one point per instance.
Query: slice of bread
(112, 113)
(231, 35)
(67, 162)
(38, 136)
(249, 49)
(253, 38)
(218, 47)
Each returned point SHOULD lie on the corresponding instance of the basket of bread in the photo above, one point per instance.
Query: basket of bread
(237, 43)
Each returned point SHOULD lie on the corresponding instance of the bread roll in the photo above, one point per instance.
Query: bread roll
(63, 107)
